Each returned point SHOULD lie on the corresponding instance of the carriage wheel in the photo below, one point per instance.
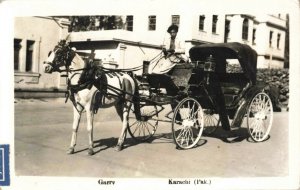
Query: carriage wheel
(142, 122)
(260, 117)
(188, 122)
(211, 121)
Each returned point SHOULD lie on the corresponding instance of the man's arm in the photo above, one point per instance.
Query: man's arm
(179, 47)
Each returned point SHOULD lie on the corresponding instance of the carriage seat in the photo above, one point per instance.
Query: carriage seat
(175, 80)
(232, 85)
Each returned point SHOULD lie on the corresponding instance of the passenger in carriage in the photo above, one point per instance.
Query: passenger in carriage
(173, 50)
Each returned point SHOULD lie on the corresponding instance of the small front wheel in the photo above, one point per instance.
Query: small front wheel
(142, 122)
(260, 117)
(188, 123)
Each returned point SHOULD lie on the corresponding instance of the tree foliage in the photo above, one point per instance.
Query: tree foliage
(89, 23)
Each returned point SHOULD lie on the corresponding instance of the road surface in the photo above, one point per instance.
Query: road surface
(43, 134)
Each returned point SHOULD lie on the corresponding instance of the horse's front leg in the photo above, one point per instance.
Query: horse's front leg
(90, 118)
(123, 112)
(76, 120)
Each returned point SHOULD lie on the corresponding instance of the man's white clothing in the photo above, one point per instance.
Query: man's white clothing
(165, 64)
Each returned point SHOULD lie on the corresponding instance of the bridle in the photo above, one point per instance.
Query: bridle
(63, 56)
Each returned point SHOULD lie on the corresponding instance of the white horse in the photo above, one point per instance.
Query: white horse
(83, 86)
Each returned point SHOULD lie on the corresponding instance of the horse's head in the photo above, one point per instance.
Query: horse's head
(61, 55)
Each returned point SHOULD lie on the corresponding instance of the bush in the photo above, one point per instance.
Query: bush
(278, 78)
(274, 77)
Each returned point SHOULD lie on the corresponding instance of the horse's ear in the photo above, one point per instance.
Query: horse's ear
(49, 53)
(62, 43)
(68, 38)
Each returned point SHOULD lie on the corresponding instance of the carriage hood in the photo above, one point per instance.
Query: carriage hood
(222, 51)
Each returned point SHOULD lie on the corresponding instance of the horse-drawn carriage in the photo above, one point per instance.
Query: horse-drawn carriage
(193, 87)
(203, 93)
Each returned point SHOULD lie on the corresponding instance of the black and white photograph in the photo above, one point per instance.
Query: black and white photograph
(128, 94)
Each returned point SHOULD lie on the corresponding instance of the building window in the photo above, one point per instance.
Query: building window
(17, 48)
(278, 40)
(245, 29)
(201, 22)
(270, 38)
(214, 23)
(176, 20)
(227, 29)
(129, 23)
(152, 23)
(254, 36)
(29, 55)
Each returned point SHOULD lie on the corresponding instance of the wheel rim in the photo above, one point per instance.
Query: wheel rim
(211, 122)
(187, 125)
(143, 126)
(260, 117)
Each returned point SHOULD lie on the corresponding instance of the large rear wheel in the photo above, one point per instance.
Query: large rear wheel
(188, 123)
(143, 121)
(260, 117)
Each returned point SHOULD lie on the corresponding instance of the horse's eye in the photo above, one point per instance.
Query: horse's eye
(49, 53)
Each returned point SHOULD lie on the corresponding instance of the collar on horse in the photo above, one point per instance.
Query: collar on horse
(86, 80)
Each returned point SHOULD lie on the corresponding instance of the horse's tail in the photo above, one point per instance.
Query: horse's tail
(136, 92)
(136, 99)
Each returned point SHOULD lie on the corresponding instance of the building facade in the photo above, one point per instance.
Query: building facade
(34, 37)
(125, 41)
(264, 33)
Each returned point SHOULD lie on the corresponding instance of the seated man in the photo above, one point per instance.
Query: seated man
(174, 54)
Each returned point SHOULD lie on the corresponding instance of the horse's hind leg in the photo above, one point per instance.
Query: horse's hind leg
(123, 111)
(123, 108)
(76, 120)
(90, 118)
(119, 109)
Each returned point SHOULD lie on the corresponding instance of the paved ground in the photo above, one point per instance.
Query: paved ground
(43, 132)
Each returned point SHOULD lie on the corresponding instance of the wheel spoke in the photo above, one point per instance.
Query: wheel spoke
(133, 124)
(147, 129)
(151, 125)
(182, 138)
(192, 111)
(137, 127)
(180, 134)
(143, 129)
(192, 135)
(188, 135)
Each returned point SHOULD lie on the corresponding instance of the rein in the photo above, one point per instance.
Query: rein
(104, 69)
(121, 70)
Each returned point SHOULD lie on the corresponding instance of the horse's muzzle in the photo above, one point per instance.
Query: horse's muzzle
(47, 68)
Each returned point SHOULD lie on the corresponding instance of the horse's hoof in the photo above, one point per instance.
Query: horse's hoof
(90, 152)
(118, 148)
(70, 151)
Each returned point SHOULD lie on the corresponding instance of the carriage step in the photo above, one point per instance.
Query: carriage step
(161, 99)
(234, 128)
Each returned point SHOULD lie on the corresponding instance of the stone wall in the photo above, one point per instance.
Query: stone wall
(278, 78)
(275, 77)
